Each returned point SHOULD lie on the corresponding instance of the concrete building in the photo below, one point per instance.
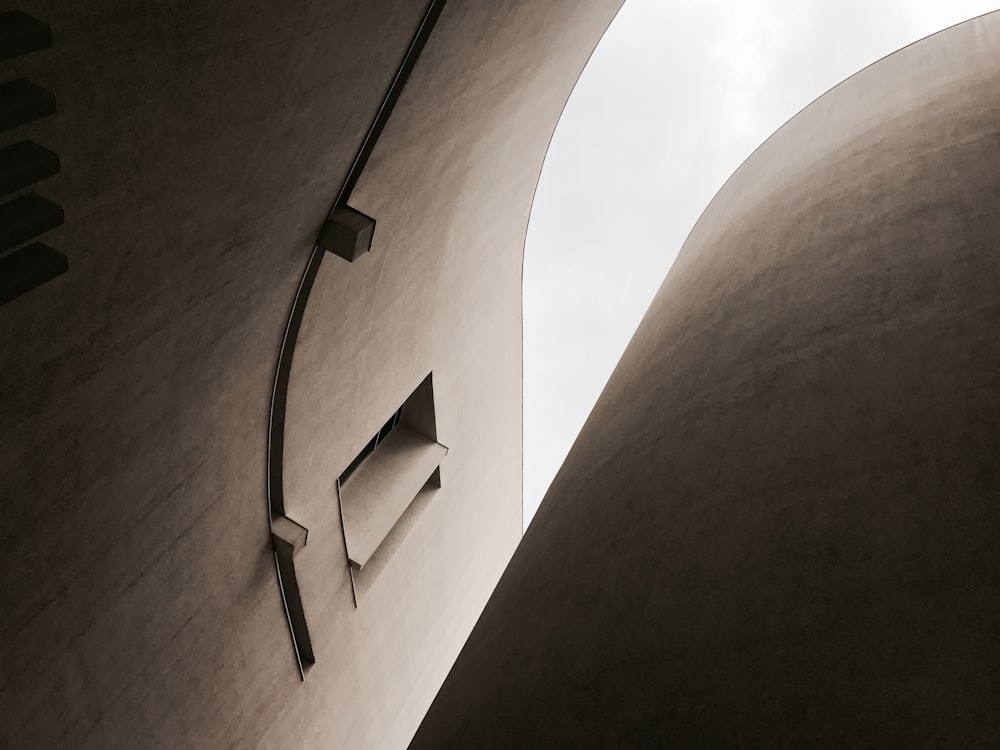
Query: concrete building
(780, 526)
(266, 227)
(201, 147)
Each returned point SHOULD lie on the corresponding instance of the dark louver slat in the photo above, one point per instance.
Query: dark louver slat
(20, 34)
(22, 101)
(26, 217)
(31, 266)
(25, 163)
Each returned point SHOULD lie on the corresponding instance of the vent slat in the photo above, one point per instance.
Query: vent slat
(22, 101)
(25, 163)
(21, 33)
(31, 266)
(26, 217)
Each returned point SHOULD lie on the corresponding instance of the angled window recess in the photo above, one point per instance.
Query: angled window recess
(398, 465)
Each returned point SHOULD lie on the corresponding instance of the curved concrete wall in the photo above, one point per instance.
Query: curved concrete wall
(201, 148)
(780, 525)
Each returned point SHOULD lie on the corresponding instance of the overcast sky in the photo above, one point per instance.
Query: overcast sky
(677, 94)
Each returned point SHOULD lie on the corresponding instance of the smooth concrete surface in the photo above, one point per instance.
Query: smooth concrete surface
(780, 526)
(202, 145)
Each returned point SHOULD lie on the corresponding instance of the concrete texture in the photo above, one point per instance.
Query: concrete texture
(779, 527)
(201, 147)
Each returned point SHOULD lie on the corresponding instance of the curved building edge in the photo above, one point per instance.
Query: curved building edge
(778, 527)
(200, 153)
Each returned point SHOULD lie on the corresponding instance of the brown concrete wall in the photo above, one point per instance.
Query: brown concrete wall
(202, 145)
(779, 526)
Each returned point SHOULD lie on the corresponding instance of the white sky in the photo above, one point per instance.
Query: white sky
(677, 94)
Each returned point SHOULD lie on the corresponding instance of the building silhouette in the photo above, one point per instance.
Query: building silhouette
(261, 454)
